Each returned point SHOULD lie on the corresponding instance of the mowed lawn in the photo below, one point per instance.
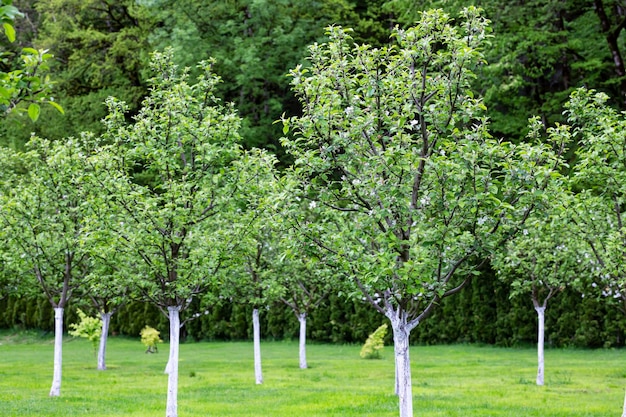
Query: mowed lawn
(217, 379)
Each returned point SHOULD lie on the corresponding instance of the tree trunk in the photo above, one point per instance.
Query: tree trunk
(540, 338)
(612, 34)
(404, 390)
(256, 329)
(172, 364)
(624, 409)
(55, 390)
(106, 320)
(302, 320)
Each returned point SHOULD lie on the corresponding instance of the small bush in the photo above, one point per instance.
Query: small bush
(150, 338)
(89, 327)
(374, 344)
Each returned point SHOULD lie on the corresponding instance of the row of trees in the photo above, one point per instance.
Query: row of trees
(398, 192)
(483, 312)
(168, 209)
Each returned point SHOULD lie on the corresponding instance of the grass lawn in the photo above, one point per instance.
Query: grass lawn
(217, 379)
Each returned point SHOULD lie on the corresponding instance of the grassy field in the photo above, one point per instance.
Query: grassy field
(217, 379)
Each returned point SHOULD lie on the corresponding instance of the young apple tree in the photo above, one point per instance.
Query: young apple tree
(542, 260)
(600, 177)
(396, 144)
(169, 171)
(249, 275)
(44, 214)
(306, 283)
(304, 277)
(108, 286)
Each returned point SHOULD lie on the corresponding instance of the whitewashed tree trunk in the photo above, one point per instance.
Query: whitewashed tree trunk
(55, 390)
(624, 409)
(256, 329)
(106, 320)
(540, 342)
(172, 364)
(404, 389)
(302, 320)
(397, 380)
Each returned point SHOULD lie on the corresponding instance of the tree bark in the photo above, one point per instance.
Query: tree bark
(55, 390)
(612, 34)
(256, 329)
(106, 320)
(172, 364)
(404, 389)
(302, 320)
(540, 342)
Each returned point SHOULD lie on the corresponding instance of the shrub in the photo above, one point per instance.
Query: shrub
(150, 338)
(374, 344)
(89, 327)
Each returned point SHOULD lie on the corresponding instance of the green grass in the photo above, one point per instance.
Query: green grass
(217, 379)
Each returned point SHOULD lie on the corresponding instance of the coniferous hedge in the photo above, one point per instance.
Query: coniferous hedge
(481, 313)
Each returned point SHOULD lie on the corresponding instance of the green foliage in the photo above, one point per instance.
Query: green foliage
(600, 178)
(100, 50)
(45, 209)
(8, 13)
(549, 254)
(483, 313)
(249, 272)
(169, 181)
(150, 338)
(23, 79)
(254, 44)
(89, 327)
(409, 188)
(374, 344)
(542, 51)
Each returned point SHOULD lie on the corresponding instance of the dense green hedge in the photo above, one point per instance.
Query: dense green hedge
(481, 313)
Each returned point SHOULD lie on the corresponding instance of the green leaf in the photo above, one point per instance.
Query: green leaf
(33, 111)
(10, 12)
(5, 93)
(9, 31)
(57, 106)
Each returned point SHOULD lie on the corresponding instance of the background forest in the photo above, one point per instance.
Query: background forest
(540, 52)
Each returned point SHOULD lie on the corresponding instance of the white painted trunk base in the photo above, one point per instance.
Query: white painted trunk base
(404, 388)
(540, 342)
(172, 364)
(106, 320)
(401, 331)
(302, 320)
(256, 330)
(624, 410)
(55, 390)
